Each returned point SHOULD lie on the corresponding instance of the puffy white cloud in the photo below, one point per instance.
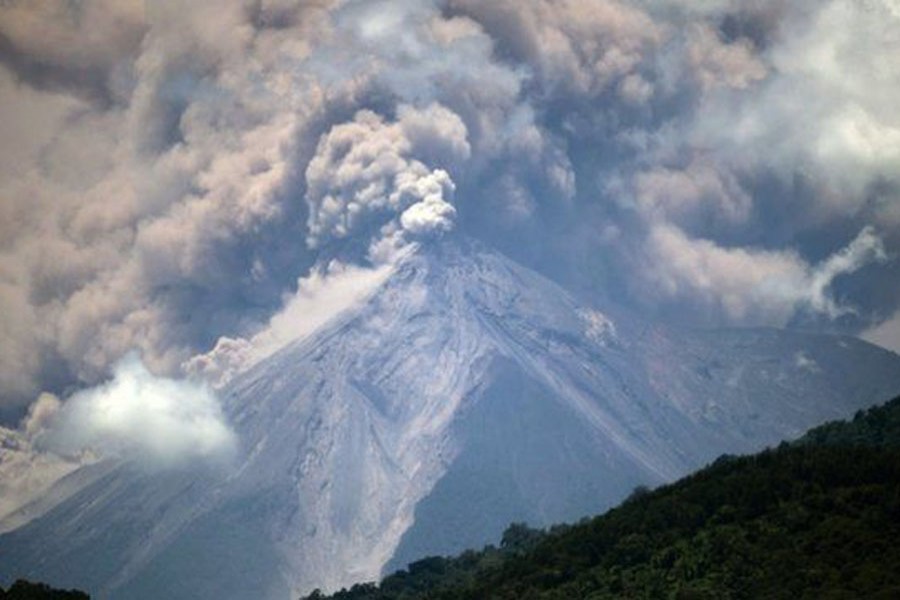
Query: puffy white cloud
(152, 422)
(138, 416)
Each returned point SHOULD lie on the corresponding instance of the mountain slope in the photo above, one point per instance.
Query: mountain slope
(813, 519)
(467, 392)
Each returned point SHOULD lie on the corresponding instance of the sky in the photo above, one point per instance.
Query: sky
(184, 185)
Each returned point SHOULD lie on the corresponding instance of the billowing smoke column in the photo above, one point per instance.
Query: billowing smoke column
(364, 176)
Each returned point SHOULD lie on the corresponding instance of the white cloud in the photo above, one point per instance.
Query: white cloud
(138, 416)
(151, 421)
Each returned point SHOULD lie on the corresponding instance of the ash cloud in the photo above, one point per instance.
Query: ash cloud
(174, 172)
(364, 176)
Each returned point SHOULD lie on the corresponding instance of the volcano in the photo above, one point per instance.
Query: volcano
(465, 393)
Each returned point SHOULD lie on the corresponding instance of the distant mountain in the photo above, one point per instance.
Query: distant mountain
(815, 519)
(468, 392)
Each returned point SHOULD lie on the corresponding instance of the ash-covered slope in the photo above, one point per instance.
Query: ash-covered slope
(468, 392)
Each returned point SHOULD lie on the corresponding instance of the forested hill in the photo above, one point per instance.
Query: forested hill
(817, 518)
(26, 590)
(876, 427)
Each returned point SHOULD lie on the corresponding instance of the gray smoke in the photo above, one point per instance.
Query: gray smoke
(172, 170)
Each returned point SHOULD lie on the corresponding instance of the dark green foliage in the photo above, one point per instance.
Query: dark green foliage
(519, 538)
(878, 426)
(25, 590)
(818, 518)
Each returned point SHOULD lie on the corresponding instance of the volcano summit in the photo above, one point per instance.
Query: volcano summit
(464, 393)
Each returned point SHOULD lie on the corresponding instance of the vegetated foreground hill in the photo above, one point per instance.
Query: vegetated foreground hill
(818, 518)
(26, 590)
